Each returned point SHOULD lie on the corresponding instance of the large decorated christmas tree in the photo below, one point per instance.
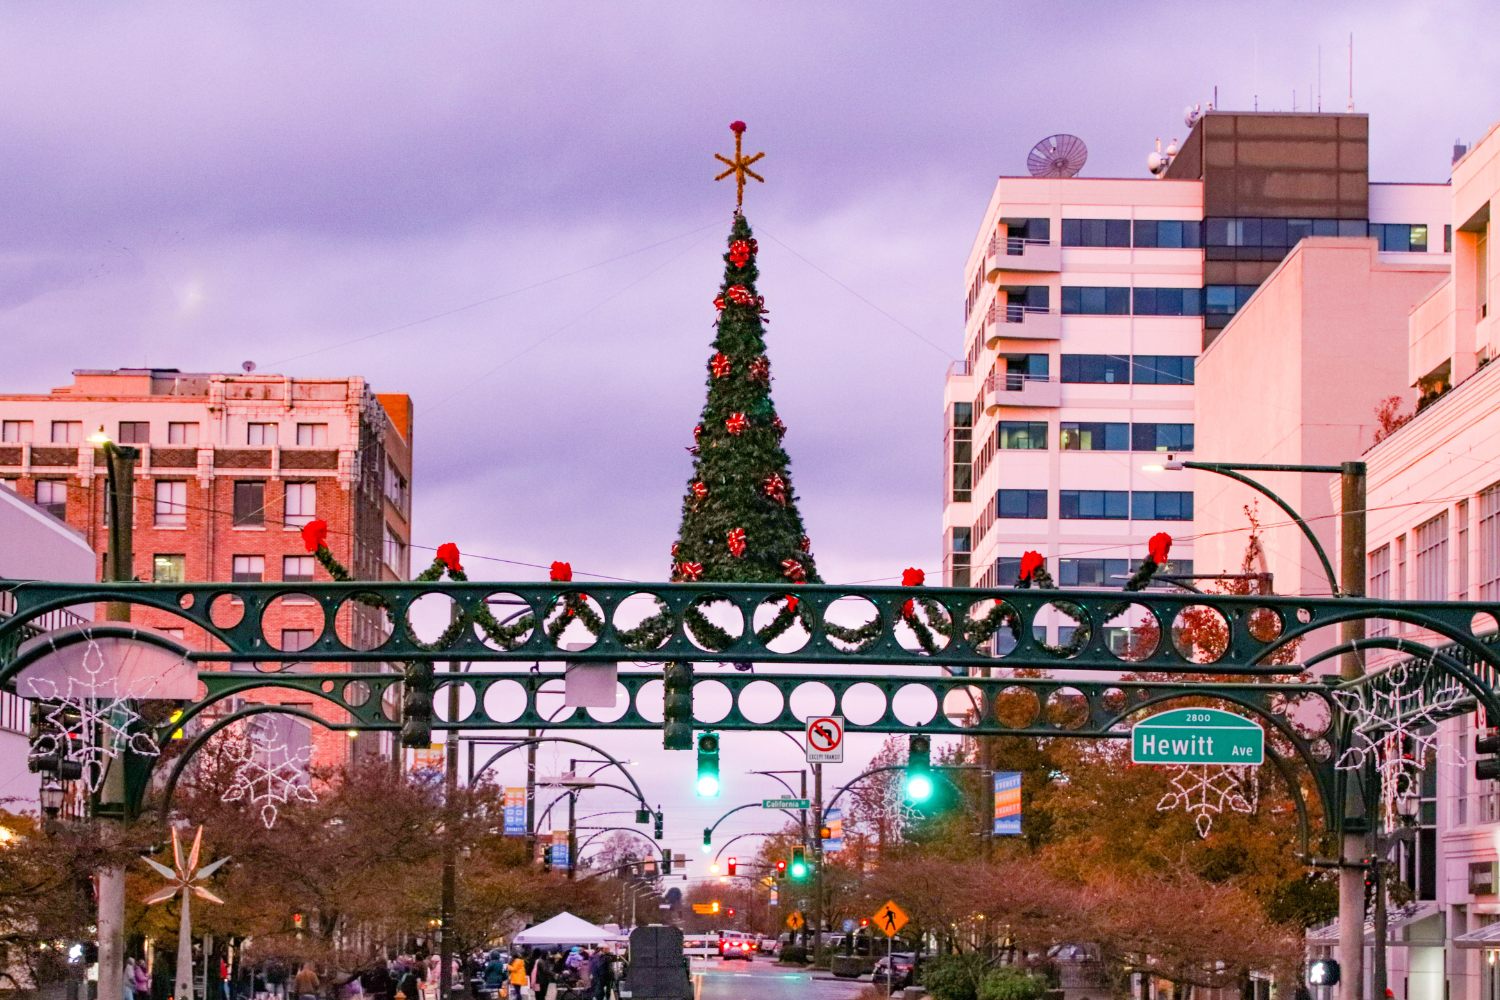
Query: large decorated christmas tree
(739, 513)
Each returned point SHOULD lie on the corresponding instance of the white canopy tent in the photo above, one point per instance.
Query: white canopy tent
(564, 929)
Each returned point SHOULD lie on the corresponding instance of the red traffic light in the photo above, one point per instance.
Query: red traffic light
(780, 866)
(730, 864)
(864, 921)
(730, 911)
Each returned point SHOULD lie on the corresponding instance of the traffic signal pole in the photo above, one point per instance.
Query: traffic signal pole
(1355, 840)
(817, 852)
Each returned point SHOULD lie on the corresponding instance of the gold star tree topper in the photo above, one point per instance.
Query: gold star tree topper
(739, 166)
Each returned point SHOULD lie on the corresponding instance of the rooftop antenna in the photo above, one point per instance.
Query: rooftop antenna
(1060, 155)
(247, 366)
(1350, 108)
(1320, 78)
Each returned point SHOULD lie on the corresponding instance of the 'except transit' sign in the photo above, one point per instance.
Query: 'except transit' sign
(1197, 736)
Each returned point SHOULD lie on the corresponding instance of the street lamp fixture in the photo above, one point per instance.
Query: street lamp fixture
(51, 797)
(99, 438)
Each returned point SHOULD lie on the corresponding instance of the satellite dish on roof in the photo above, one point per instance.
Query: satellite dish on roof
(1060, 155)
(248, 366)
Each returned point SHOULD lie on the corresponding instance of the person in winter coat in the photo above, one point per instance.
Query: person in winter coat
(128, 980)
(600, 968)
(306, 984)
(142, 980)
(518, 978)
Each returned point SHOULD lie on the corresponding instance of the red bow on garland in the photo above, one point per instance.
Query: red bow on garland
(447, 554)
(700, 489)
(736, 423)
(791, 603)
(1030, 563)
(315, 534)
(913, 577)
(1158, 545)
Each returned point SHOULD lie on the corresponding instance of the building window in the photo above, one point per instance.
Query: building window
(960, 544)
(1096, 368)
(248, 569)
(183, 433)
(1023, 435)
(1461, 513)
(1088, 300)
(1489, 543)
(15, 717)
(1226, 300)
(961, 448)
(249, 503)
(312, 435)
(52, 496)
(135, 432)
(1447, 239)
(1162, 369)
(297, 569)
(301, 504)
(1168, 234)
(1096, 573)
(1399, 237)
(1021, 503)
(396, 487)
(1430, 539)
(1400, 577)
(1161, 505)
(1022, 368)
(263, 435)
(171, 503)
(294, 640)
(169, 569)
(1379, 585)
(393, 552)
(1167, 301)
(67, 431)
(1090, 436)
(1096, 232)
(1094, 505)
(15, 431)
(1161, 437)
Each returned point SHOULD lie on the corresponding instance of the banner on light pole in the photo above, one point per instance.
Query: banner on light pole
(515, 812)
(1007, 803)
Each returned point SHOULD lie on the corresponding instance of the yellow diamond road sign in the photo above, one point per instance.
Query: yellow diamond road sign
(794, 920)
(890, 918)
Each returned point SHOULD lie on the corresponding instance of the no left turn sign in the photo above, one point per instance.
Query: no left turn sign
(825, 739)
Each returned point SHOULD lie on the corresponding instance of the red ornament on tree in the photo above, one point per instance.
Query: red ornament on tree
(562, 572)
(1159, 545)
(736, 423)
(719, 365)
(793, 570)
(675, 547)
(698, 432)
(700, 490)
(740, 296)
(775, 488)
(447, 554)
(760, 369)
(690, 571)
(736, 542)
(806, 544)
(315, 534)
(1030, 563)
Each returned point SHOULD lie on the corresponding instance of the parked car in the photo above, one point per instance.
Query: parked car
(894, 971)
(765, 944)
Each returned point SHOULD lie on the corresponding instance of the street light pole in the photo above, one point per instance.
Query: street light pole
(450, 847)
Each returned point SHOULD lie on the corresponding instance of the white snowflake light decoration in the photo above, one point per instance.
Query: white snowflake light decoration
(1204, 791)
(1395, 726)
(89, 723)
(269, 773)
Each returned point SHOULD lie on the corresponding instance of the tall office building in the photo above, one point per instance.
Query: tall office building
(1086, 304)
(231, 467)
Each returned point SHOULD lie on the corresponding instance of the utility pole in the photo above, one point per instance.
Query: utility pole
(119, 563)
(1356, 834)
(817, 851)
(450, 848)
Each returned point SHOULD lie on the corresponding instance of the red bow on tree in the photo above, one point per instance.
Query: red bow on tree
(720, 366)
(806, 544)
(739, 295)
(740, 252)
(700, 489)
(562, 572)
(736, 542)
(675, 547)
(912, 577)
(760, 369)
(775, 488)
(1030, 563)
(736, 423)
(780, 427)
(315, 534)
(447, 554)
(793, 570)
(719, 302)
(1158, 545)
(690, 570)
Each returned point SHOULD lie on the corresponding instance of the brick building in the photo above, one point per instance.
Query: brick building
(231, 467)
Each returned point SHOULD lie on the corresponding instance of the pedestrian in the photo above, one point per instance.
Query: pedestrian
(305, 985)
(600, 967)
(542, 975)
(376, 980)
(128, 984)
(495, 973)
(518, 978)
(142, 982)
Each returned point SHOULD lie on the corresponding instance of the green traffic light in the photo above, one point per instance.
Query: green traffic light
(918, 787)
(799, 870)
(708, 766)
(708, 786)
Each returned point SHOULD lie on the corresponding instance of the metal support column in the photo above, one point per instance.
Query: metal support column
(1351, 875)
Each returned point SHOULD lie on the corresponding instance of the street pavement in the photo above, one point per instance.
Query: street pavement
(763, 979)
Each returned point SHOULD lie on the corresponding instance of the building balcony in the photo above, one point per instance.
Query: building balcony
(1013, 389)
(1017, 254)
(1017, 322)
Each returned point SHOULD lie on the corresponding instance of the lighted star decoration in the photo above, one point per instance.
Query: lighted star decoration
(91, 721)
(739, 167)
(1204, 791)
(268, 773)
(1395, 727)
(184, 876)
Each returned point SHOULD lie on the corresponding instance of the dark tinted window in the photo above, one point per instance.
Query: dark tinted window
(249, 502)
(1096, 232)
(1162, 369)
(1106, 368)
(1093, 504)
(1168, 301)
(1091, 572)
(1090, 436)
(1162, 437)
(1161, 505)
(1085, 300)
(1025, 435)
(1021, 503)
(1168, 234)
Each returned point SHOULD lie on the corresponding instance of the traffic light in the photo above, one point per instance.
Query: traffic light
(729, 912)
(864, 922)
(416, 705)
(715, 907)
(666, 861)
(677, 706)
(708, 766)
(708, 840)
(781, 868)
(1323, 972)
(643, 815)
(798, 869)
(730, 865)
(919, 769)
(546, 858)
(1486, 764)
(659, 824)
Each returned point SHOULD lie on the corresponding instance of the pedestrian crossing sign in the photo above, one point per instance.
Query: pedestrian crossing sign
(794, 920)
(890, 918)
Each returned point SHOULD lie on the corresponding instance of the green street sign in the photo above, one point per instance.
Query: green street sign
(1197, 736)
(786, 803)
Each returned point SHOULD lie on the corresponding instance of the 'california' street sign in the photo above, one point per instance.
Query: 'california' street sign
(1197, 736)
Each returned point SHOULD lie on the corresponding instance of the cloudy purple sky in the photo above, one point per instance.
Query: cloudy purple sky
(522, 196)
